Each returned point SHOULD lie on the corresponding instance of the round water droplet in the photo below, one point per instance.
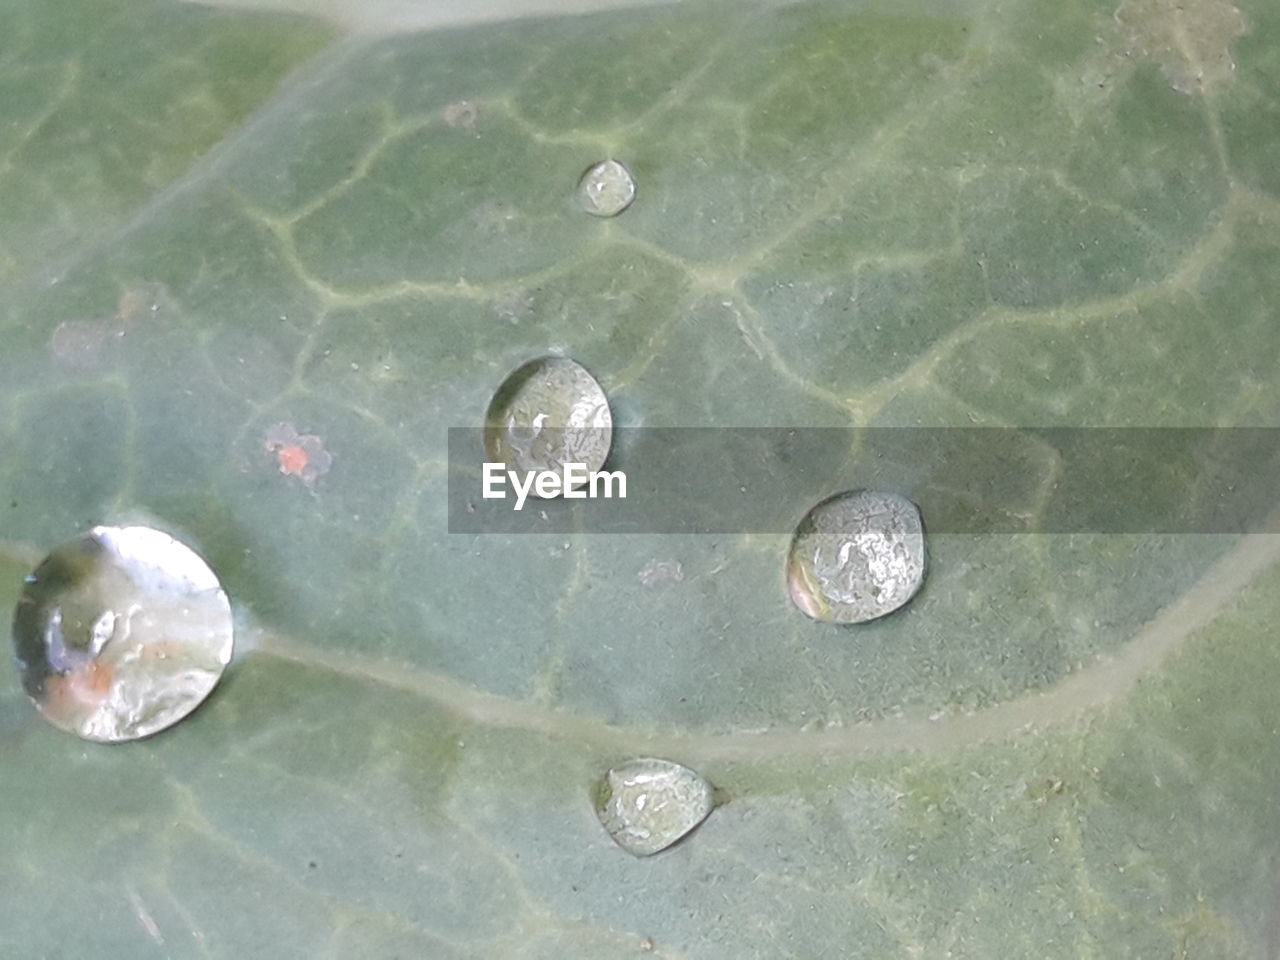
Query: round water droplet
(548, 413)
(606, 189)
(857, 556)
(121, 633)
(647, 804)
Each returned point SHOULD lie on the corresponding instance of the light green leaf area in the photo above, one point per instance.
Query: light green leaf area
(1026, 214)
(104, 105)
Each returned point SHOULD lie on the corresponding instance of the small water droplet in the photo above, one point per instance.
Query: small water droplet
(606, 189)
(121, 633)
(548, 413)
(857, 556)
(647, 805)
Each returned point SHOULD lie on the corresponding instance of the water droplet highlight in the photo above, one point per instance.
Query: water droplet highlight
(121, 633)
(548, 413)
(857, 556)
(647, 805)
(606, 189)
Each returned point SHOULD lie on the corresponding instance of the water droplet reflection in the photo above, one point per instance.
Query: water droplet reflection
(548, 413)
(857, 556)
(647, 805)
(121, 633)
(606, 189)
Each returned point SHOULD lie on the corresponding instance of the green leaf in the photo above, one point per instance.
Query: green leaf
(1027, 214)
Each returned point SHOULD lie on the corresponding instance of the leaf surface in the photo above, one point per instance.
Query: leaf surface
(1032, 214)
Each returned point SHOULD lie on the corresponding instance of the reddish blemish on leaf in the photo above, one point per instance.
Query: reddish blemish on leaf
(300, 455)
(293, 460)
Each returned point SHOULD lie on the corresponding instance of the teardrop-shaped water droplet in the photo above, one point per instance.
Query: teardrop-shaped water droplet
(121, 633)
(647, 805)
(606, 189)
(548, 413)
(857, 556)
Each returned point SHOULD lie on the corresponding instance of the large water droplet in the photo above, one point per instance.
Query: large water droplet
(606, 189)
(647, 804)
(121, 633)
(857, 556)
(548, 413)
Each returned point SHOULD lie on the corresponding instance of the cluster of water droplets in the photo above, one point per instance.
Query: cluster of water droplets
(124, 631)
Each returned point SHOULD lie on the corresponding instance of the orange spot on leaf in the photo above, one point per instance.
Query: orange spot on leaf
(292, 459)
(300, 455)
